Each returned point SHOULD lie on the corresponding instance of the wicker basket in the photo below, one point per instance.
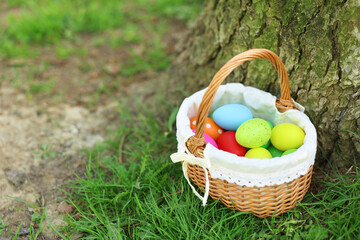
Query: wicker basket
(261, 201)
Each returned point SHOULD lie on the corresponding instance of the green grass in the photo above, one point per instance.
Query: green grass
(54, 31)
(147, 197)
(3, 226)
(48, 22)
(36, 226)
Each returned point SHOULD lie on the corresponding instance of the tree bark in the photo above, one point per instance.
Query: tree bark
(319, 43)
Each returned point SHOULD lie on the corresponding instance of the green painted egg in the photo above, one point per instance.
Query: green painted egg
(289, 151)
(274, 151)
(258, 153)
(271, 125)
(266, 145)
(253, 133)
(285, 136)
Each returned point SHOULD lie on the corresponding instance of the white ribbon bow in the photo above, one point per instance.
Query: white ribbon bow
(189, 158)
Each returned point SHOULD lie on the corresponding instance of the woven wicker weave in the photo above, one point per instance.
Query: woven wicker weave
(261, 201)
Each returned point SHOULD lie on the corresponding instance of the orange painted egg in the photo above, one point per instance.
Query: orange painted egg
(211, 128)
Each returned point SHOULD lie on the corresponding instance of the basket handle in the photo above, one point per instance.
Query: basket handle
(196, 143)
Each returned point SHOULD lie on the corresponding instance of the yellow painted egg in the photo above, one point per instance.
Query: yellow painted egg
(253, 133)
(258, 153)
(285, 136)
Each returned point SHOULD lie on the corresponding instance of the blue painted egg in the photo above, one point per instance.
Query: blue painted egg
(231, 116)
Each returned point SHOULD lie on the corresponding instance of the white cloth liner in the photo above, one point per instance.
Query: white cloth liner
(240, 170)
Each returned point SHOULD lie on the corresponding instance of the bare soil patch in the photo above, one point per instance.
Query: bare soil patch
(51, 109)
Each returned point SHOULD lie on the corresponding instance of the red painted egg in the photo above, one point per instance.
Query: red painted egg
(227, 142)
(211, 128)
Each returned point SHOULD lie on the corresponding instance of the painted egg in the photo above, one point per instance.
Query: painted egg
(228, 143)
(286, 136)
(231, 116)
(271, 125)
(258, 153)
(289, 151)
(253, 133)
(208, 139)
(274, 151)
(266, 145)
(211, 128)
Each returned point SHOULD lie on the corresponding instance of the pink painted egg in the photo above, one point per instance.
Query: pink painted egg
(208, 139)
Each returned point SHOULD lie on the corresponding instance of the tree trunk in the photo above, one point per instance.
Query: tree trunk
(319, 43)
